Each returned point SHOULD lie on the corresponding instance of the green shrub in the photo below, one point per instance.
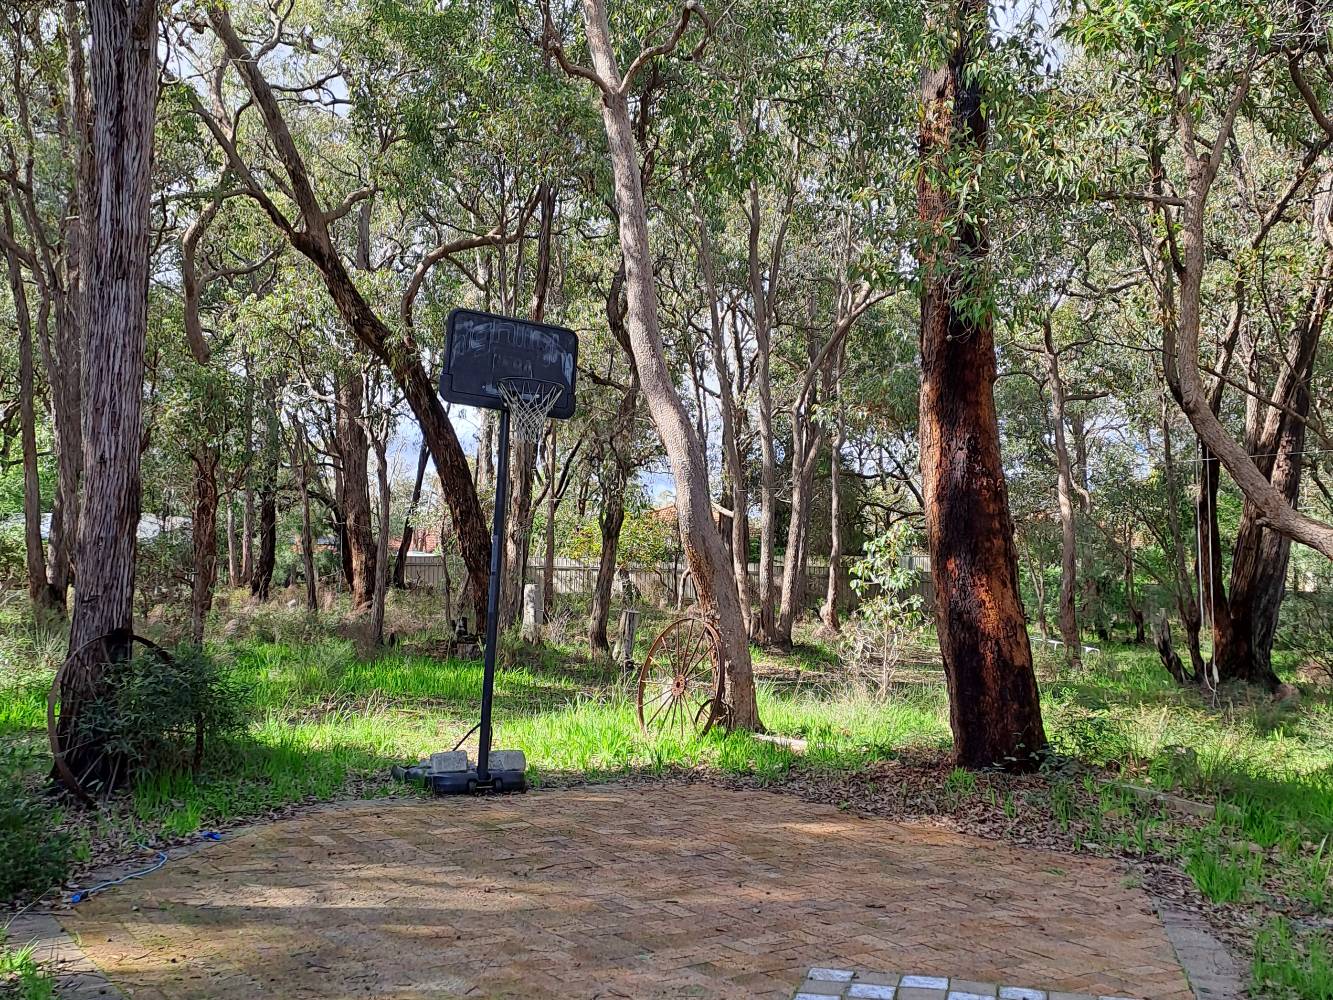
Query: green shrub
(149, 709)
(34, 855)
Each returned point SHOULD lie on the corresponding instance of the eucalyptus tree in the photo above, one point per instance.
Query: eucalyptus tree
(43, 173)
(115, 195)
(709, 560)
(307, 206)
(994, 712)
(1233, 102)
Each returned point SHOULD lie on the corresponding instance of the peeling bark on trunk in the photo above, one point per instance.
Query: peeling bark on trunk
(124, 76)
(994, 709)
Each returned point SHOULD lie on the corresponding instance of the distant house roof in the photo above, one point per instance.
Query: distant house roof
(150, 525)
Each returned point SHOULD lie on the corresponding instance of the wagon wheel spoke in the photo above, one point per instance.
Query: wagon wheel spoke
(662, 702)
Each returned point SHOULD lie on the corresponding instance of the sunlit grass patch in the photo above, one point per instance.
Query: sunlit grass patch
(21, 976)
(1292, 965)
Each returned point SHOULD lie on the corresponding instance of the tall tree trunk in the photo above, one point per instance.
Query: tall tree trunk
(262, 579)
(485, 474)
(805, 453)
(124, 74)
(40, 592)
(203, 534)
(354, 447)
(732, 461)
(554, 491)
(707, 555)
(405, 544)
(829, 612)
(1038, 574)
(1261, 556)
(1064, 491)
(248, 493)
(523, 454)
(994, 709)
(302, 470)
(610, 518)
(380, 588)
(1131, 601)
(233, 556)
(765, 624)
(64, 358)
(1187, 607)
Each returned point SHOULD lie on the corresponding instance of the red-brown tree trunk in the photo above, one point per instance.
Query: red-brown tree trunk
(354, 448)
(262, 579)
(994, 708)
(123, 78)
(203, 532)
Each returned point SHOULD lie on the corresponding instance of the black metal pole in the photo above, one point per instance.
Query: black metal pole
(493, 600)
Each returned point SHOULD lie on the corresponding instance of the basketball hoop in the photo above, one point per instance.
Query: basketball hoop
(529, 401)
(526, 371)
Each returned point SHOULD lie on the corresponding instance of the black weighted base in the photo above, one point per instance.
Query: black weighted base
(466, 782)
(463, 782)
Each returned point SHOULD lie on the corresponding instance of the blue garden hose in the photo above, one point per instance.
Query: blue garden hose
(83, 894)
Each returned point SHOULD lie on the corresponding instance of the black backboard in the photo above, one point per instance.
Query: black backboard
(482, 349)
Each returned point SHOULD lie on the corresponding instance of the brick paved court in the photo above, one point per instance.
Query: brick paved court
(670, 890)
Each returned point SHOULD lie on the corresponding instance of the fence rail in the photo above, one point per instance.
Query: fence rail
(660, 583)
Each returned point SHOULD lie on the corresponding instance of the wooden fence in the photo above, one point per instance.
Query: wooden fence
(660, 584)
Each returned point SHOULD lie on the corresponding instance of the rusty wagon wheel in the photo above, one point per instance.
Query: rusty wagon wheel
(680, 680)
(101, 773)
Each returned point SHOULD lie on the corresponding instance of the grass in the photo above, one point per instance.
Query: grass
(21, 976)
(328, 720)
(1289, 966)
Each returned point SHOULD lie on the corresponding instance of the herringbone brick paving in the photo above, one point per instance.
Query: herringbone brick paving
(659, 890)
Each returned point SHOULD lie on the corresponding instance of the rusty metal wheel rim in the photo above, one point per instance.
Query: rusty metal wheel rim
(679, 678)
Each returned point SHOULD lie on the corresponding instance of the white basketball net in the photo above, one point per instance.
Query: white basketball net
(529, 402)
